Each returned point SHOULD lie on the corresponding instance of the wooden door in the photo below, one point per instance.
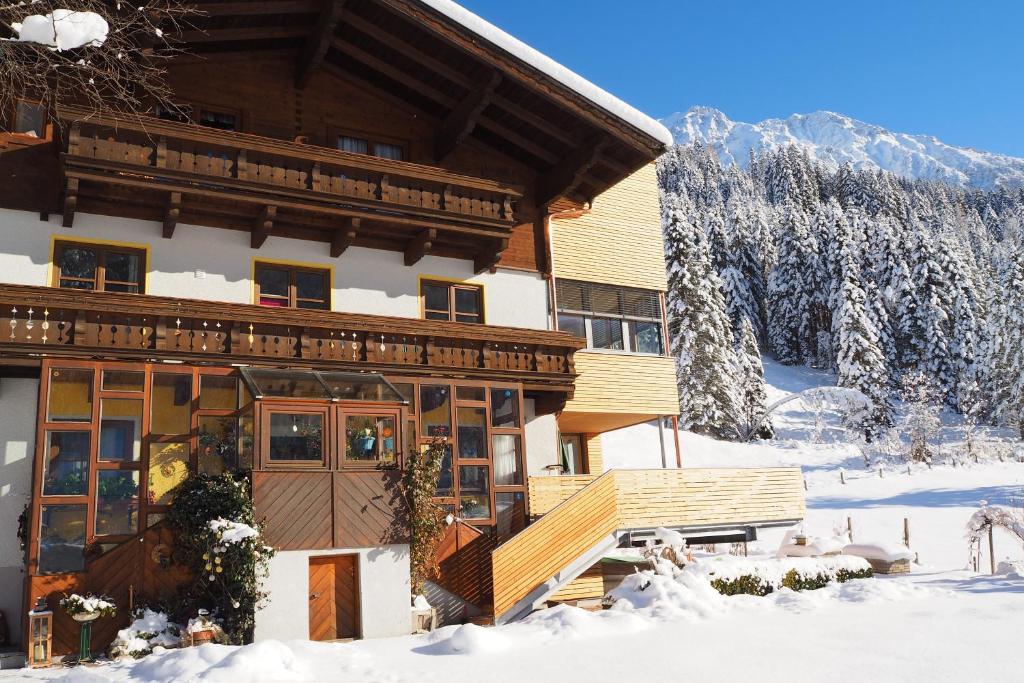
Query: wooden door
(333, 597)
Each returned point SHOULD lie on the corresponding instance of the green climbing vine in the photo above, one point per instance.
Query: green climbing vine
(427, 518)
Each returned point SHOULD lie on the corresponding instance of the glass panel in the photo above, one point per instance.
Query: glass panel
(607, 333)
(62, 539)
(272, 281)
(218, 120)
(444, 481)
(288, 384)
(386, 151)
(504, 408)
(572, 296)
(435, 298)
(509, 514)
(369, 438)
(463, 318)
(311, 304)
(505, 448)
(349, 386)
(218, 392)
(472, 432)
(474, 492)
(120, 429)
(125, 269)
(470, 394)
(66, 468)
(604, 299)
(296, 437)
(70, 397)
(171, 404)
(408, 393)
(435, 411)
(117, 503)
(645, 337)
(78, 262)
(310, 285)
(168, 467)
(573, 324)
(123, 380)
(245, 441)
(467, 300)
(410, 437)
(572, 454)
(354, 145)
(218, 444)
(30, 120)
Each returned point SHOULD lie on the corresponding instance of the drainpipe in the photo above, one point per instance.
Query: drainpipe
(661, 438)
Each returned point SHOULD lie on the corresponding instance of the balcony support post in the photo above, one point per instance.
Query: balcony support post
(488, 258)
(172, 214)
(70, 202)
(263, 227)
(420, 246)
(344, 236)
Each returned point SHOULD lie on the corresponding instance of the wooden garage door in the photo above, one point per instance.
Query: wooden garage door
(333, 597)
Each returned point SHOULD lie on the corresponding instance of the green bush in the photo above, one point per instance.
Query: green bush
(748, 584)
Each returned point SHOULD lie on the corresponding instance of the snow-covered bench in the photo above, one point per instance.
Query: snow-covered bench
(885, 558)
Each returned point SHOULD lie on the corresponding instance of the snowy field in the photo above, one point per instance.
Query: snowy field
(940, 623)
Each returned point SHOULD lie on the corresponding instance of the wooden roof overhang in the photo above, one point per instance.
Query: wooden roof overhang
(52, 322)
(407, 52)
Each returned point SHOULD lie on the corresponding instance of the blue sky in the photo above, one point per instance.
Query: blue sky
(949, 68)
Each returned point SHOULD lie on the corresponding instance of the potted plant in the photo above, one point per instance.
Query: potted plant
(85, 610)
(365, 439)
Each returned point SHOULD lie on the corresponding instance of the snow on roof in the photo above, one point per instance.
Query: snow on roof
(541, 62)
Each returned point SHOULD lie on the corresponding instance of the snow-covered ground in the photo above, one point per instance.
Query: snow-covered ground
(940, 623)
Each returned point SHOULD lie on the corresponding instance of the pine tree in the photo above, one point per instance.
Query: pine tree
(754, 422)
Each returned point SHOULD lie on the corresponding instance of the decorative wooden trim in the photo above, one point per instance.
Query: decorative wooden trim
(344, 237)
(420, 246)
(172, 214)
(263, 226)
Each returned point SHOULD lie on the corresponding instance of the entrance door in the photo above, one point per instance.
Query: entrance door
(333, 597)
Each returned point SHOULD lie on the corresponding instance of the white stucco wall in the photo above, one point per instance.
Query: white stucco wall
(18, 399)
(216, 264)
(541, 441)
(383, 593)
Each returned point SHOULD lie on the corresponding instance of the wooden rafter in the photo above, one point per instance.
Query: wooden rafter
(172, 214)
(459, 124)
(344, 236)
(567, 174)
(232, 9)
(70, 202)
(420, 246)
(246, 33)
(263, 226)
(488, 258)
(393, 72)
(318, 41)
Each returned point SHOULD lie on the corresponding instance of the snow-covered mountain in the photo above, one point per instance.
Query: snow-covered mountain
(834, 139)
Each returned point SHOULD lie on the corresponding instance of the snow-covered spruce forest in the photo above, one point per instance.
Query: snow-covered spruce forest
(905, 289)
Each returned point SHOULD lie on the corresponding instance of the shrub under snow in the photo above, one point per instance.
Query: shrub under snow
(149, 629)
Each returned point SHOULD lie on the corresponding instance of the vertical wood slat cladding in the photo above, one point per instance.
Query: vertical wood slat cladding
(319, 510)
(333, 597)
(617, 242)
(296, 507)
(369, 509)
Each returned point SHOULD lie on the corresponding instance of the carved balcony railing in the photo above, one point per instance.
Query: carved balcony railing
(51, 321)
(202, 174)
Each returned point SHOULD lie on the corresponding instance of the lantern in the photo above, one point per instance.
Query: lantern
(40, 628)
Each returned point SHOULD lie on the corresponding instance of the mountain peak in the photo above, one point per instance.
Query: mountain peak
(834, 139)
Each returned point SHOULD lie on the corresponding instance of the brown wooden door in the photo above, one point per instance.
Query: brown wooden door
(333, 597)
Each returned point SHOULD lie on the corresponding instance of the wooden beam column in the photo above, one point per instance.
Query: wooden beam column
(344, 236)
(263, 227)
(460, 123)
(420, 246)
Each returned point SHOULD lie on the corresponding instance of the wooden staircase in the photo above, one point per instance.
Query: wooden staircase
(585, 517)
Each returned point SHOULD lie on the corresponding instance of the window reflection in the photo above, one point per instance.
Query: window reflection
(474, 492)
(117, 503)
(66, 467)
(62, 538)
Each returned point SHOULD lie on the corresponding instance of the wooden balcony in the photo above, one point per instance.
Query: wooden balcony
(174, 173)
(64, 322)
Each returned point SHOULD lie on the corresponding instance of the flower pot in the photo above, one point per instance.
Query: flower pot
(365, 443)
(202, 637)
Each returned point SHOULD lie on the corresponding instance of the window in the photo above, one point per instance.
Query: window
(292, 287)
(452, 301)
(217, 119)
(98, 268)
(611, 318)
(358, 145)
(296, 438)
(210, 118)
(572, 453)
(62, 538)
(370, 439)
(29, 119)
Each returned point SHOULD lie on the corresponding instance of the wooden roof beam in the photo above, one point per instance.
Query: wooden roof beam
(318, 42)
(567, 174)
(393, 72)
(345, 236)
(420, 246)
(488, 258)
(459, 124)
(219, 35)
(263, 226)
(234, 9)
(171, 214)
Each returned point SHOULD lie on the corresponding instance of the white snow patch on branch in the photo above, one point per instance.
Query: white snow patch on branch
(63, 29)
(232, 532)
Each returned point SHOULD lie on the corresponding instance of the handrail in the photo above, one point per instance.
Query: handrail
(155, 128)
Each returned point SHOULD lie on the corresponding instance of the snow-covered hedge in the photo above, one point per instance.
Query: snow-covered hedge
(149, 630)
(736, 575)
